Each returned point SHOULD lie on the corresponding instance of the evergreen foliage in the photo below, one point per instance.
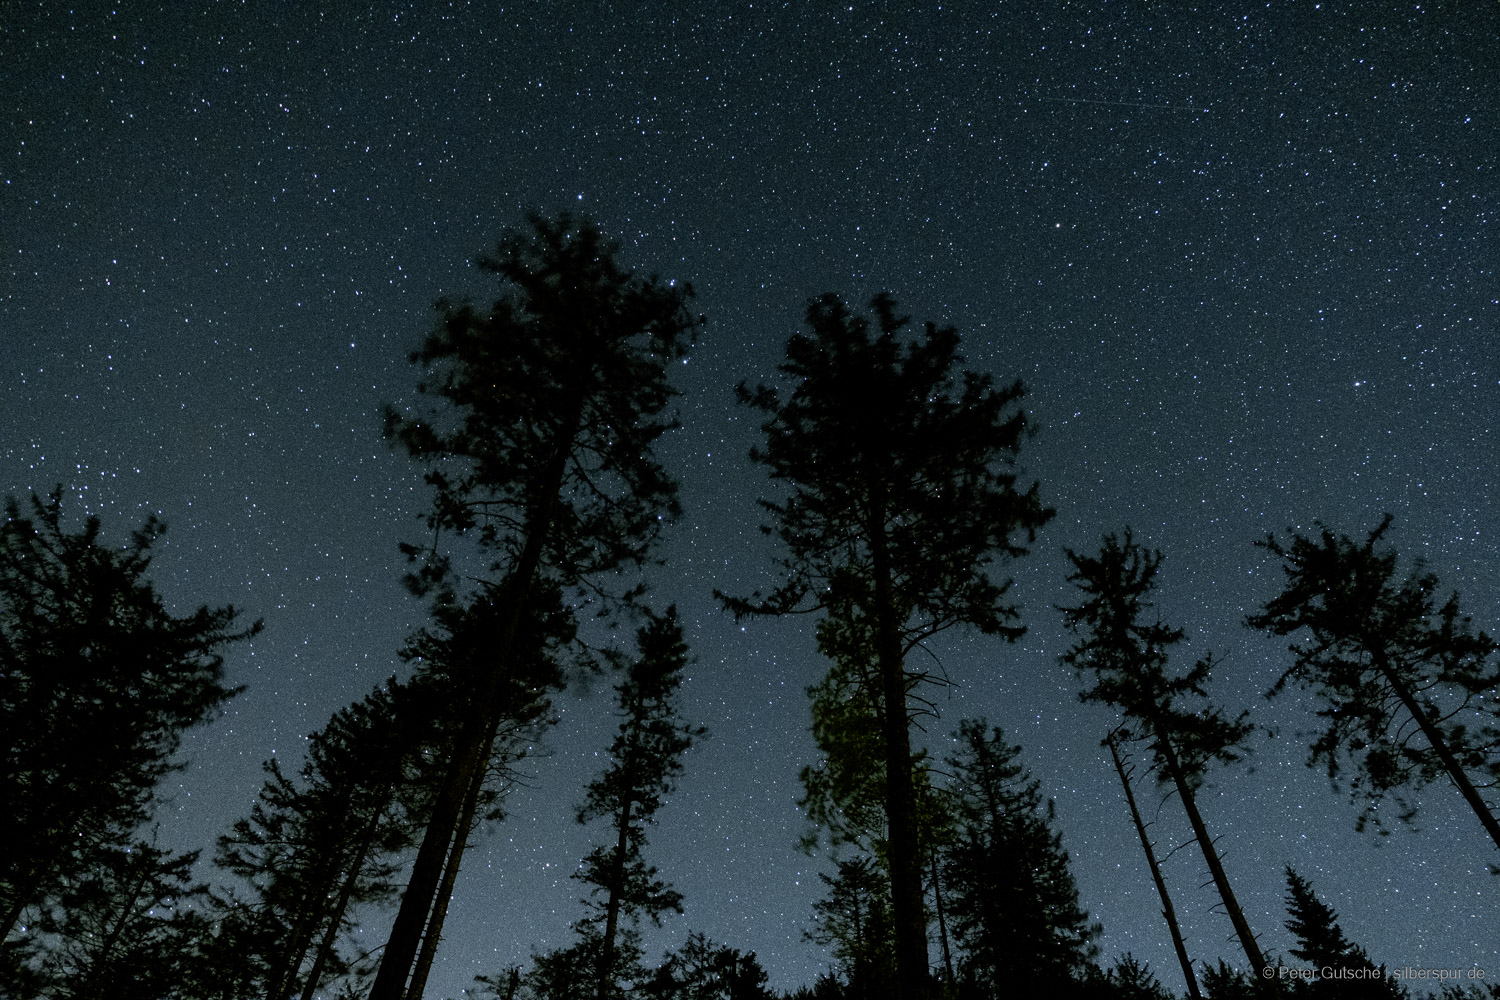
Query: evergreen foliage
(1012, 899)
(98, 682)
(1132, 979)
(1224, 982)
(129, 927)
(645, 761)
(1126, 655)
(1410, 692)
(854, 922)
(316, 848)
(1344, 969)
(540, 448)
(701, 970)
(902, 493)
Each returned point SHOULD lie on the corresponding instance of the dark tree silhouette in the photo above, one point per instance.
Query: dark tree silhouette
(1410, 692)
(1222, 981)
(1011, 896)
(1168, 913)
(854, 922)
(127, 928)
(446, 663)
(1127, 657)
(1344, 968)
(314, 850)
(645, 760)
(701, 970)
(552, 401)
(98, 682)
(902, 481)
(1132, 979)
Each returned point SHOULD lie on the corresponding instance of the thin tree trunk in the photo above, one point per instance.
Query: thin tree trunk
(1221, 881)
(937, 895)
(1440, 746)
(346, 893)
(450, 875)
(612, 908)
(300, 940)
(907, 909)
(417, 901)
(1169, 914)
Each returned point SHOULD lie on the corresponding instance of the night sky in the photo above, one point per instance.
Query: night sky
(1244, 257)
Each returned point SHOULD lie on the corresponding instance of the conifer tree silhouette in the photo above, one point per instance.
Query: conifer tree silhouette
(98, 682)
(1012, 898)
(1410, 692)
(1126, 653)
(645, 760)
(901, 473)
(552, 401)
(1344, 968)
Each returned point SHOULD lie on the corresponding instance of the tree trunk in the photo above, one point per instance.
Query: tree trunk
(1168, 914)
(434, 932)
(346, 893)
(937, 896)
(1440, 746)
(417, 901)
(612, 908)
(907, 910)
(1221, 881)
(284, 977)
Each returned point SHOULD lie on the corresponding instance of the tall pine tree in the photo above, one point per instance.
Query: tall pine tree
(98, 682)
(1127, 653)
(1011, 895)
(644, 762)
(550, 403)
(1410, 692)
(902, 494)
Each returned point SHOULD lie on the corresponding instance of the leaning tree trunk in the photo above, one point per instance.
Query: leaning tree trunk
(1215, 868)
(1440, 746)
(612, 907)
(942, 919)
(434, 932)
(1168, 914)
(471, 750)
(346, 893)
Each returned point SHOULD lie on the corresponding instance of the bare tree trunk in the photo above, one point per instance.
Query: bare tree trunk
(907, 910)
(1221, 881)
(937, 895)
(469, 756)
(1168, 914)
(460, 844)
(1440, 747)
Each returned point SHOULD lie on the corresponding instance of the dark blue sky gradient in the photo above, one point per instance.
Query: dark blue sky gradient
(1244, 257)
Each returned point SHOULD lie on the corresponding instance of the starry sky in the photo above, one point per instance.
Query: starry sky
(1243, 255)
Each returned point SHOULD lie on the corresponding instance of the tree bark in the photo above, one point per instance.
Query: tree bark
(417, 901)
(1440, 746)
(434, 933)
(1168, 914)
(907, 910)
(1269, 987)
